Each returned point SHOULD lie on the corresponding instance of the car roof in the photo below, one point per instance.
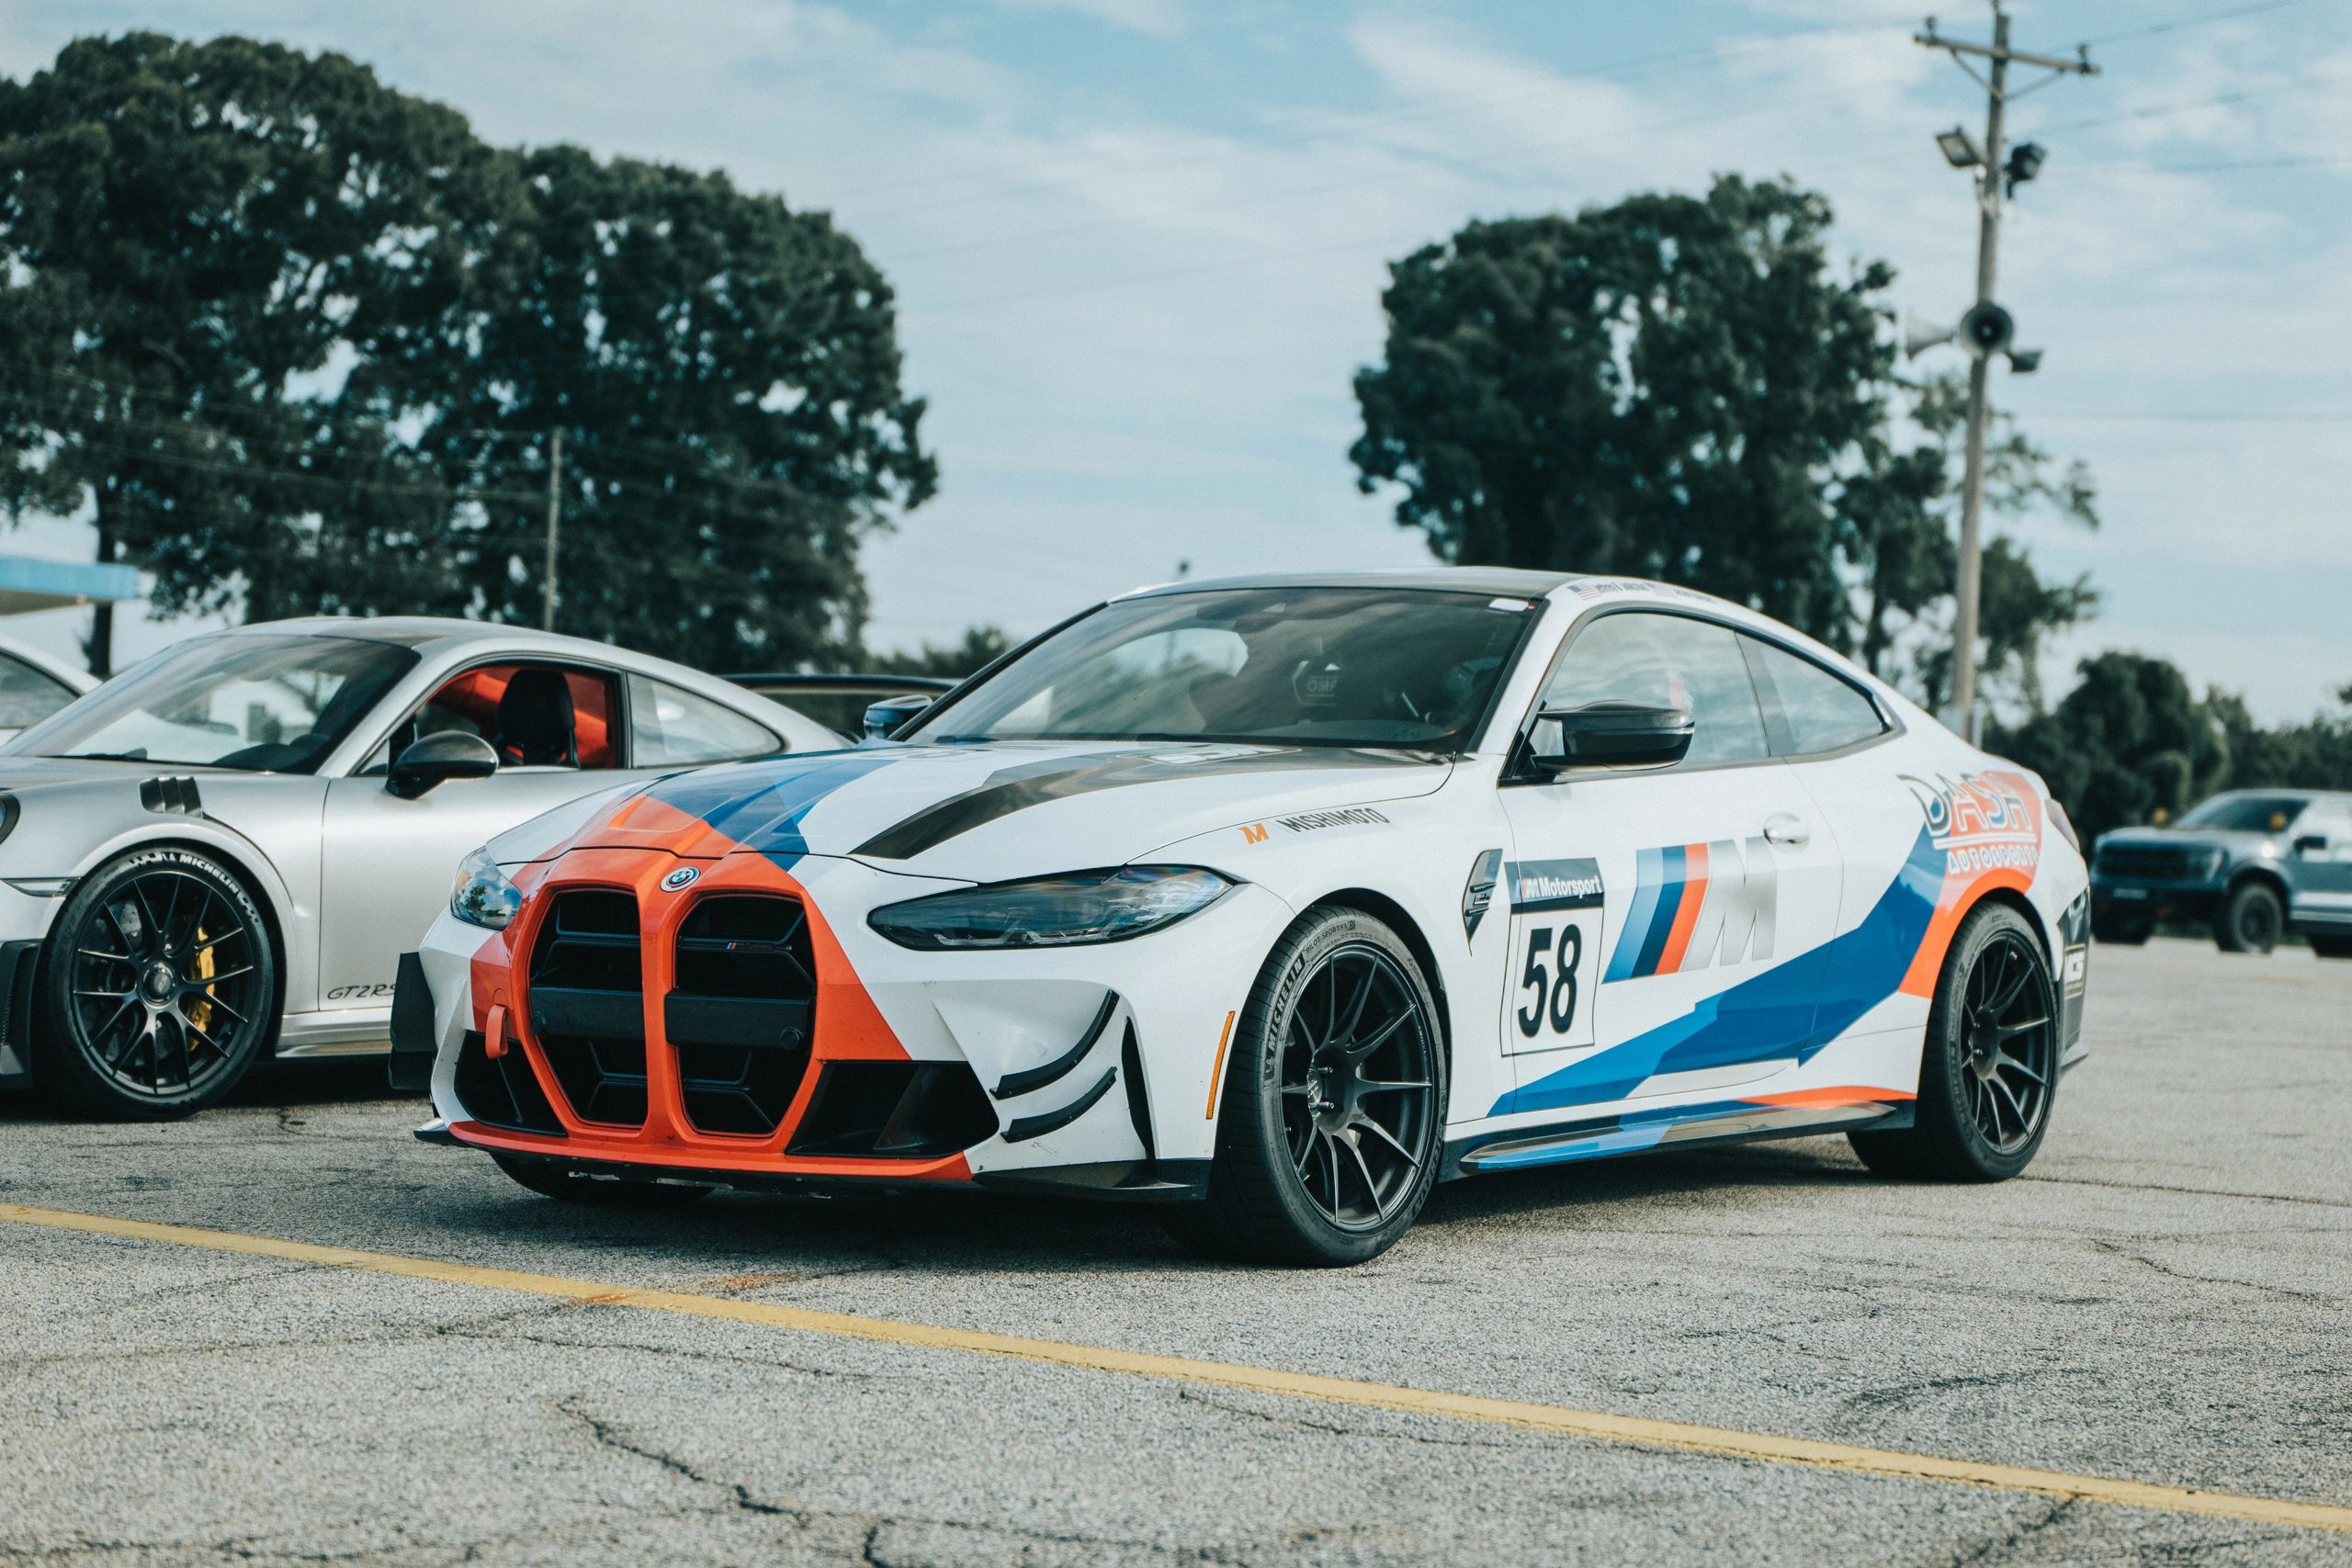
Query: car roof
(424, 631)
(1512, 581)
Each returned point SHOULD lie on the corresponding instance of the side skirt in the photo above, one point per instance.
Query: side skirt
(1677, 1127)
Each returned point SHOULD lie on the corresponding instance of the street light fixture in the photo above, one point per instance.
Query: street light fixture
(1959, 149)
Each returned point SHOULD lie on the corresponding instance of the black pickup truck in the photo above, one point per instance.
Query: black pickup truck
(2252, 865)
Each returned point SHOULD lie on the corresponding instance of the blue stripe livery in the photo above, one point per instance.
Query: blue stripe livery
(1791, 1009)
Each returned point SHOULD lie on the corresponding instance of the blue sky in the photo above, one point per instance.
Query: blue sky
(1139, 246)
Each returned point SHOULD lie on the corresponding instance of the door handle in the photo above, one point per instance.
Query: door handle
(1788, 832)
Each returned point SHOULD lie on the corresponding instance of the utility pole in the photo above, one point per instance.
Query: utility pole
(1987, 326)
(554, 523)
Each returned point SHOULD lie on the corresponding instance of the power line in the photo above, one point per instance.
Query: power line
(2156, 28)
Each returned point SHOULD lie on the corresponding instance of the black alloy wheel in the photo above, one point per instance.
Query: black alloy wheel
(1988, 1067)
(2011, 1033)
(1356, 1087)
(2253, 920)
(1332, 1111)
(159, 987)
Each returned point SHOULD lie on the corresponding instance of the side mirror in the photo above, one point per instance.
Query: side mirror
(2311, 843)
(885, 716)
(437, 758)
(1610, 735)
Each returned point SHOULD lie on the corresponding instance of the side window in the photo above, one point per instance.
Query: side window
(668, 728)
(1822, 711)
(1667, 660)
(27, 695)
(534, 716)
(2328, 820)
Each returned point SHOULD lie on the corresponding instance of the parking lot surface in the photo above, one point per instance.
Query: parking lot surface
(2163, 1300)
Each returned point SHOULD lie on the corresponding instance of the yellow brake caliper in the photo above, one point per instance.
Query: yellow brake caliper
(200, 1013)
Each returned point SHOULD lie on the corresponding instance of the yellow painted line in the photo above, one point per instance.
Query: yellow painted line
(1216, 1073)
(1596, 1424)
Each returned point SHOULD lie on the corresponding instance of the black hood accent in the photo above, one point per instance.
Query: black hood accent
(173, 796)
(1017, 788)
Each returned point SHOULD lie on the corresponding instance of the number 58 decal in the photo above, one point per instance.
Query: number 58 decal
(1555, 926)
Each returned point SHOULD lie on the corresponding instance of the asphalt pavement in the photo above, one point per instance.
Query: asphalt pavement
(2163, 1299)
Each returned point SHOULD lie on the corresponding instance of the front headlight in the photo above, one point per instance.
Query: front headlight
(1053, 911)
(483, 896)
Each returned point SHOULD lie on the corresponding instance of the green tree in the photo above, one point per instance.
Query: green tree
(1672, 385)
(297, 340)
(187, 232)
(725, 373)
(1686, 389)
(2130, 741)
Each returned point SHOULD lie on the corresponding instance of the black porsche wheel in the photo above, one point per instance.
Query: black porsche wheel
(1333, 1103)
(2253, 920)
(159, 987)
(1989, 1069)
(552, 1178)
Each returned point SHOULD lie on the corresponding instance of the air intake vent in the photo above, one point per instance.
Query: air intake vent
(587, 1002)
(503, 1093)
(895, 1110)
(743, 1012)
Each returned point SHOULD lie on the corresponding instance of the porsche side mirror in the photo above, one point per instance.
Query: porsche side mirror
(1610, 735)
(885, 716)
(437, 759)
(2311, 843)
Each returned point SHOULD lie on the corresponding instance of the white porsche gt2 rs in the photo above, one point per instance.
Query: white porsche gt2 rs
(1280, 900)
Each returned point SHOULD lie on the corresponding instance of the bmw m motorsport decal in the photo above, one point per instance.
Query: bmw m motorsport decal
(1556, 907)
(1698, 905)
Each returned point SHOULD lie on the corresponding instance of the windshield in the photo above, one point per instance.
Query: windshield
(2248, 813)
(260, 702)
(1381, 667)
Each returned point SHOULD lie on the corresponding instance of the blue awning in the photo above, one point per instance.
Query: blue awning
(28, 584)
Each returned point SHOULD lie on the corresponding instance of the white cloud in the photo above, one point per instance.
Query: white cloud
(1161, 19)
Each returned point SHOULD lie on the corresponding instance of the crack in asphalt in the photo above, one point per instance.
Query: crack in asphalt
(609, 1435)
(2286, 1293)
(1998, 1548)
(868, 1526)
(2184, 1192)
(1338, 1429)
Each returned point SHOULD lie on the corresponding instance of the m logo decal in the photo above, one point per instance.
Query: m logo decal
(1254, 833)
(1698, 905)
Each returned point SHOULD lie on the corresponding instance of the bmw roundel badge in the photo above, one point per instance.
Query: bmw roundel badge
(681, 877)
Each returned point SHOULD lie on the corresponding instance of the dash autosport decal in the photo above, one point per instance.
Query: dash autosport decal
(1986, 826)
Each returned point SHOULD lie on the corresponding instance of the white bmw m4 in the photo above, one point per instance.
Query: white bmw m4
(1277, 901)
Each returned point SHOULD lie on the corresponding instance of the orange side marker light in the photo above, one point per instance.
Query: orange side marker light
(1216, 1073)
